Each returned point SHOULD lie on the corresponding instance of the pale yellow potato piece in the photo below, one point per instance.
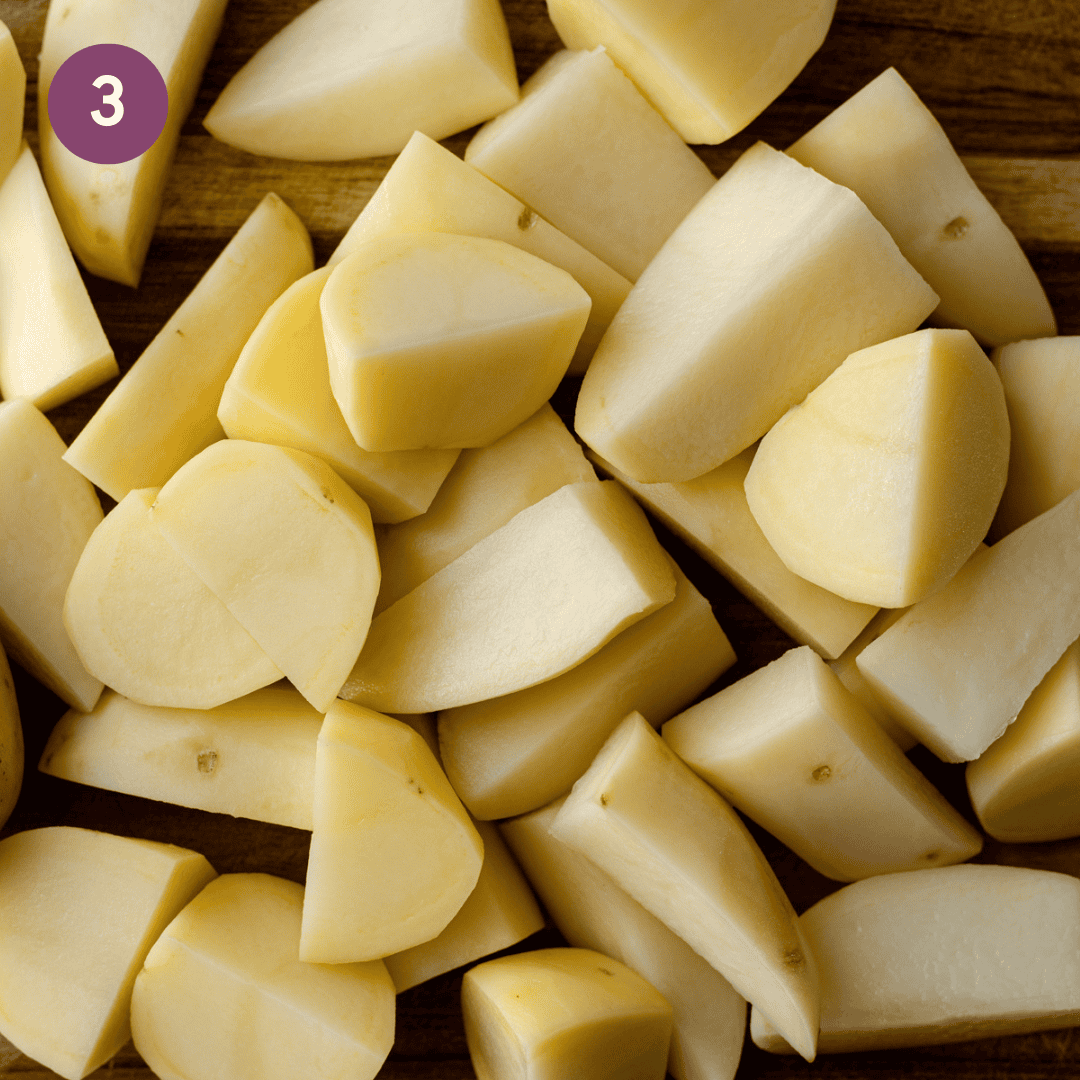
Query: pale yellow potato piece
(141, 619)
(162, 412)
(287, 546)
(500, 912)
(942, 955)
(108, 212)
(394, 855)
(430, 189)
(885, 145)
(52, 347)
(12, 99)
(253, 757)
(355, 78)
(81, 910)
(587, 152)
(420, 327)
(561, 1014)
(512, 754)
(484, 490)
(704, 356)
(526, 603)
(681, 852)
(11, 742)
(222, 993)
(710, 514)
(794, 750)
(1041, 380)
(881, 484)
(957, 668)
(709, 68)
(47, 513)
(592, 912)
(279, 392)
(1024, 785)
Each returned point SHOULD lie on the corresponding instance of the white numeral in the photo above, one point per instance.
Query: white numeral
(112, 99)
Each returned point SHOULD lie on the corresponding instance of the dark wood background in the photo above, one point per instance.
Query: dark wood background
(1003, 76)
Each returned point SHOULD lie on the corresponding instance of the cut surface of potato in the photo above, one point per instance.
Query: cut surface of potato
(253, 757)
(794, 750)
(437, 340)
(47, 514)
(81, 910)
(709, 68)
(11, 742)
(12, 99)
(881, 484)
(705, 356)
(141, 619)
(515, 753)
(52, 347)
(587, 152)
(287, 546)
(394, 855)
(681, 852)
(430, 189)
(556, 1014)
(222, 993)
(354, 78)
(526, 603)
(942, 955)
(885, 145)
(109, 211)
(162, 412)
(592, 912)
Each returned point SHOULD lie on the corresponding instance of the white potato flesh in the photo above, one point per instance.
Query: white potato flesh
(881, 484)
(526, 603)
(592, 912)
(109, 211)
(52, 347)
(142, 620)
(420, 327)
(47, 514)
(958, 667)
(279, 392)
(12, 99)
(681, 852)
(515, 753)
(11, 742)
(287, 546)
(253, 757)
(81, 910)
(500, 912)
(942, 955)
(394, 855)
(484, 490)
(559, 1014)
(353, 78)
(885, 145)
(430, 189)
(708, 68)
(162, 412)
(227, 966)
(794, 750)
(705, 355)
(588, 153)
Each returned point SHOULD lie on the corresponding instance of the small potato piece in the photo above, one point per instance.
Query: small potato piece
(11, 742)
(12, 99)
(562, 1014)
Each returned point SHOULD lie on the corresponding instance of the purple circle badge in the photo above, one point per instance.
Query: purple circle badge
(108, 104)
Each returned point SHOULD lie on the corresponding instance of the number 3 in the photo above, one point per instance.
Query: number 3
(112, 99)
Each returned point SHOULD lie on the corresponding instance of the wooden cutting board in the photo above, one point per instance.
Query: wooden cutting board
(1003, 76)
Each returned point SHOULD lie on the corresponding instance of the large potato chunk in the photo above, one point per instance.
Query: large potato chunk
(525, 604)
(222, 993)
(80, 912)
(705, 355)
(355, 78)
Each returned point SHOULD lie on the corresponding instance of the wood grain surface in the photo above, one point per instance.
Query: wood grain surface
(1003, 76)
